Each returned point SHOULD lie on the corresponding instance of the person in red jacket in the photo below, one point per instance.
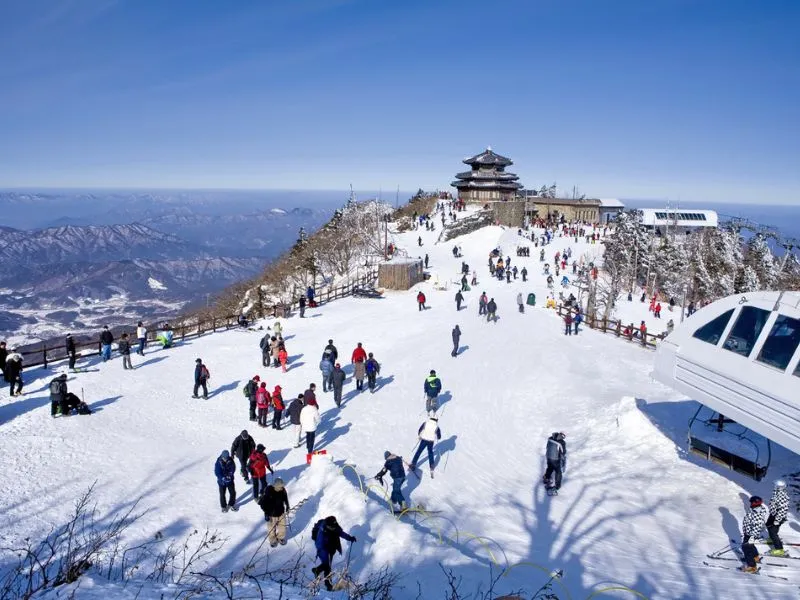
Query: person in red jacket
(277, 407)
(283, 358)
(262, 404)
(359, 354)
(258, 465)
(657, 311)
(359, 362)
(421, 300)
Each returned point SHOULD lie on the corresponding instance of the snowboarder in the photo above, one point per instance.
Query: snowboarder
(421, 300)
(326, 367)
(275, 504)
(482, 304)
(432, 387)
(394, 465)
(124, 348)
(556, 455)
(358, 360)
(201, 377)
(106, 339)
(250, 389)
(373, 368)
(327, 535)
(491, 311)
(70, 347)
(58, 394)
(225, 469)
(242, 447)
(263, 401)
(277, 407)
(309, 421)
(257, 466)
(459, 300)
(520, 302)
(524, 273)
(338, 377)
(13, 372)
(428, 433)
(753, 524)
(778, 511)
(295, 407)
(141, 337)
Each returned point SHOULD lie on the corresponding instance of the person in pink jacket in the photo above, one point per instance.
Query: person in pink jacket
(262, 404)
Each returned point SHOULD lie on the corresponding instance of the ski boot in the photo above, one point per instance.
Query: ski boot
(776, 552)
(748, 569)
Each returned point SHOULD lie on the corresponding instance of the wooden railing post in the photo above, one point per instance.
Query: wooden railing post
(183, 332)
(214, 324)
(44, 354)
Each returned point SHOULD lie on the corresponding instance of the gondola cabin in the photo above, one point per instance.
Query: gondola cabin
(740, 357)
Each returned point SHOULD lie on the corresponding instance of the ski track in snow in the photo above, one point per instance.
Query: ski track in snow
(633, 508)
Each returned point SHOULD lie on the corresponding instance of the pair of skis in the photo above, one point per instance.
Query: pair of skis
(738, 556)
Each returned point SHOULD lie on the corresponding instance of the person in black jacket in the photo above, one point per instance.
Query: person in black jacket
(275, 504)
(328, 542)
(13, 372)
(58, 395)
(201, 376)
(70, 346)
(456, 340)
(106, 339)
(556, 455)
(250, 392)
(242, 447)
(294, 418)
(3, 356)
(394, 465)
(124, 347)
(337, 378)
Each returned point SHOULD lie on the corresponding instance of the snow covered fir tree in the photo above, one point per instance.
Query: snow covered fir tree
(460, 439)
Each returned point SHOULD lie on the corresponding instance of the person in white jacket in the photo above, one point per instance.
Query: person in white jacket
(309, 421)
(141, 335)
(429, 433)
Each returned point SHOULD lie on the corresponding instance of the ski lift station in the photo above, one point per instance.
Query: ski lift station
(683, 220)
(739, 357)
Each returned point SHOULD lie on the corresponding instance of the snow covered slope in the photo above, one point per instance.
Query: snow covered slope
(633, 510)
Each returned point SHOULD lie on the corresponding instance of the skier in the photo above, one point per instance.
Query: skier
(58, 394)
(70, 346)
(373, 368)
(242, 447)
(277, 407)
(265, 350)
(249, 391)
(394, 465)
(13, 372)
(432, 387)
(338, 377)
(752, 526)
(309, 421)
(456, 339)
(421, 300)
(459, 300)
(201, 377)
(524, 273)
(295, 407)
(275, 504)
(520, 302)
(257, 466)
(556, 455)
(141, 336)
(778, 511)
(263, 401)
(326, 367)
(327, 536)
(428, 433)
(124, 348)
(491, 311)
(106, 339)
(482, 304)
(225, 469)
(359, 367)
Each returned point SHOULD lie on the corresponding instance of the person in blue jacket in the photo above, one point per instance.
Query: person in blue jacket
(432, 387)
(326, 367)
(394, 465)
(225, 469)
(327, 534)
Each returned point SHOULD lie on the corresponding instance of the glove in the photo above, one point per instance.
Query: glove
(355, 539)
(272, 472)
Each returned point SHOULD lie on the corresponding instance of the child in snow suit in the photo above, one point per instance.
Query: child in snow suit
(394, 465)
(327, 539)
(201, 377)
(258, 465)
(277, 407)
(262, 404)
(225, 469)
(373, 368)
(752, 526)
(428, 433)
(778, 511)
(556, 454)
(275, 504)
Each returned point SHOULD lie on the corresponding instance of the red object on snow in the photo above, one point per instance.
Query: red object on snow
(315, 453)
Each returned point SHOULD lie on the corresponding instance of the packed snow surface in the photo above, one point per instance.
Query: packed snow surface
(634, 509)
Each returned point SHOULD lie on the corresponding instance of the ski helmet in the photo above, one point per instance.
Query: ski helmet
(755, 501)
(780, 484)
(386, 454)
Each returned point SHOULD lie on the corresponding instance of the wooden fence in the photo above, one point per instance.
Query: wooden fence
(615, 327)
(45, 354)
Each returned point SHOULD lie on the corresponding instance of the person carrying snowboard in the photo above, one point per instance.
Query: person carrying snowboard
(337, 382)
(752, 526)
(225, 469)
(428, 433)
(242, 447)
(327, 536)
(263, 401)
(201, 377)
(275, 504)
(373, 368)
(277, 407)
(258, 465)
(250, 389)
(556, 455)
(394, 465)
(456, 339)
(778, 511)
(432, 387)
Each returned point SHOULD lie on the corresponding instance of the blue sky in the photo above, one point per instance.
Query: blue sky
(679, 99)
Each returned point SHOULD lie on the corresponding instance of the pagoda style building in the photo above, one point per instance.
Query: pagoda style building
(488, 180)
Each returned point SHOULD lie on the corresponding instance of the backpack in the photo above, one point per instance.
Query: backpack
(327, 354)
(55, 387)
(244, 390)
(83, 409)
(264, 342)
(315, 529)
(204, 373)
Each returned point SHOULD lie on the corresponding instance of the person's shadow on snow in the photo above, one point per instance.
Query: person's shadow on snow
(443, 448)
(444, 398)
(462, 349)
(730, 524)
(381, 382)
